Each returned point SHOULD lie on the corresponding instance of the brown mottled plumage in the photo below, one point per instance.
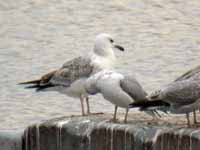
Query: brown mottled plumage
(43, 80)
(67, 74)
(70, 78)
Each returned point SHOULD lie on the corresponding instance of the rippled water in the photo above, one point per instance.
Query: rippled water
(161, 37)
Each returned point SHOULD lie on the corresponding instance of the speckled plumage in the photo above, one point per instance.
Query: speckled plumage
(191, 74)
(180, 92)
(72, 70)
(180, 96)
(70, 78)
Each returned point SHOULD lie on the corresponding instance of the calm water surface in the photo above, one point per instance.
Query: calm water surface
(161, 37)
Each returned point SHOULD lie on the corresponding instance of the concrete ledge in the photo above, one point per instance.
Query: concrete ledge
(96, 133)
(11, 140)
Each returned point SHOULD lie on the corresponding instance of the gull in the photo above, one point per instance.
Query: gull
(118, 88)
(177, 97)
(191, 74)
(70, 78)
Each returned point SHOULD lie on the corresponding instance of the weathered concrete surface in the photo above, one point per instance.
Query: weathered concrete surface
(11, 140)
(97, 133)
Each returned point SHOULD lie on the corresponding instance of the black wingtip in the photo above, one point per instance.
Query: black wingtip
(39, 87)
(146, 104)
(43, 87)
(36, 87)
(31, 87)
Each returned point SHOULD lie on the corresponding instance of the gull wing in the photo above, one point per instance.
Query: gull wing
(181, 92)
(131, 86)
(73, 70)
(189, 74)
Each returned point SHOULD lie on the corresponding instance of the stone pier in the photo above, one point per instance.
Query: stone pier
(97, 133)
(11, 139)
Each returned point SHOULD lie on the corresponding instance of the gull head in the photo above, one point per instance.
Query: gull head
(104, 44)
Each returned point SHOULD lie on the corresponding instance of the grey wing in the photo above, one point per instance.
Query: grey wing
(112, 91)
(131, 86)
(182, 92)
(73, 70)
(189, 74)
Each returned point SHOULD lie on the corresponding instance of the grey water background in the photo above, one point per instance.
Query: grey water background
(161, 37)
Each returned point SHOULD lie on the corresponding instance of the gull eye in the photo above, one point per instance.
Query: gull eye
(111, 40)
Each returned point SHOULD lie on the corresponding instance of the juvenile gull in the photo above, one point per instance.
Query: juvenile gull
(118, 88)
(191, 74)
(70, 78)
(177, 97)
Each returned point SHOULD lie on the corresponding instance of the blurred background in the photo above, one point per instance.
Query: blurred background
(161, 38)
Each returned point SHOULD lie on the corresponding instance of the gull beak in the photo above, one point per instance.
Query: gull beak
(119, 47)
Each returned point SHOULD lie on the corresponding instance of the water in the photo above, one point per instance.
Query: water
(36, 36)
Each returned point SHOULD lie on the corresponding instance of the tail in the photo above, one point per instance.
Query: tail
(42, 83)
(36, 84)
(147, 104)
(152, 108)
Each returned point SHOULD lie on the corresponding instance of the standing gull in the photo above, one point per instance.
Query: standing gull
(177, 97)
(191, 74)
(70, 78)
(118, 88)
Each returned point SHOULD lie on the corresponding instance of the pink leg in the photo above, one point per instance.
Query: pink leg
(195, 117)
(188, 119)
(88, 105)
(126, 115)
(82, 106)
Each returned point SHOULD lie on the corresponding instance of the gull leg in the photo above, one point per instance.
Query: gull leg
(126, 115)
(114, 119)
(188, 119)
(88, 108)
(194, 105)
(115, 114)
(82, 106)
(195, 117)
(88, 105)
